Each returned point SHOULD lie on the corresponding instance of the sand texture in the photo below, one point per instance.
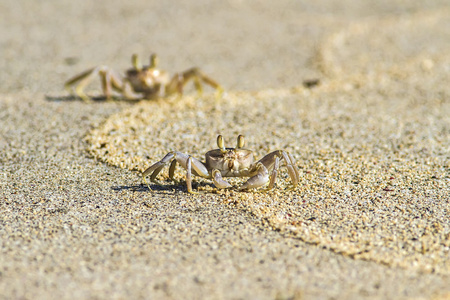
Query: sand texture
(369, 219)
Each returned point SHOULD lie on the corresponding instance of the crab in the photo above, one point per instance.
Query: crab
(228, 162)
(140, 82)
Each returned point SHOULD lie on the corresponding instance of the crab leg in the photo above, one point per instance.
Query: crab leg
(273, 176)
(189, 163)
(292, 170)
(272, 162)
(115, 82)
(82, 79)
(181, 79)
(172, 168)
(157, 167)
(108, 80)
(188, 174)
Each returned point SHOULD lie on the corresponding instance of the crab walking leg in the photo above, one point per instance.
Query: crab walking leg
(83, 79)
(188, 175)
(193, 166)
(111, 81)
(258, 180)
(190, 164)
(156, 172)
(179, 80)
(292, 170)
(218, 180)
(269, 159)
(157, 167)
(198, 76)
(117, 83)
(270, 162)
(295, 169)
(172, 168)
(273, 176)
(105, 78)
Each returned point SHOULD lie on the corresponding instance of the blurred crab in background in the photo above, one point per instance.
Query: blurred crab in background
(228, 162)
(140, 82)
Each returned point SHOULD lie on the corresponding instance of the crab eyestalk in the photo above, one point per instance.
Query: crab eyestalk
(240, 141)
(221, 144)
(136, 63)
(153, 60)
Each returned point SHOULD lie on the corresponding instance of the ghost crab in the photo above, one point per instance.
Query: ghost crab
(228, 162)
(140, 82)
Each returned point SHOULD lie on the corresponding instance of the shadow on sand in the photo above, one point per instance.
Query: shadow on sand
(93, 99)
(153, 187)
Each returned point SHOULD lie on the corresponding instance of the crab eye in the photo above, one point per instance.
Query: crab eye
(221, 143)
(240, 141)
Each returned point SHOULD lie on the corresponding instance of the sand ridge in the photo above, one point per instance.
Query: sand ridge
(374, 179)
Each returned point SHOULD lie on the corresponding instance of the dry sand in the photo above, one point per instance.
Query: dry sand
(370, 218)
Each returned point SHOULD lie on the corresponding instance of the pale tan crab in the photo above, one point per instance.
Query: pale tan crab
(140, 82)
(228, 162)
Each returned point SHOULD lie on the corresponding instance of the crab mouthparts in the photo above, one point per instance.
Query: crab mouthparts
(230, 160)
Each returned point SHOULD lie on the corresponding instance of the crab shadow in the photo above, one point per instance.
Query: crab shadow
(72, 98)
(153, 187)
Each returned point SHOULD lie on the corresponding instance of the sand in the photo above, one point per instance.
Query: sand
(369, 218)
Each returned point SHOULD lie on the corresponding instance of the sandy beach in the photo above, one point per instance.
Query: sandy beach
(370, 135)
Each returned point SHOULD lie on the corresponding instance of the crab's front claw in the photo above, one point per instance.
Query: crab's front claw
(255, 182)
(258, 180)
(218, 180)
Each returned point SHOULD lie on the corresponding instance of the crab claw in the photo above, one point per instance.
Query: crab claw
(258, 180)
(219, 182)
